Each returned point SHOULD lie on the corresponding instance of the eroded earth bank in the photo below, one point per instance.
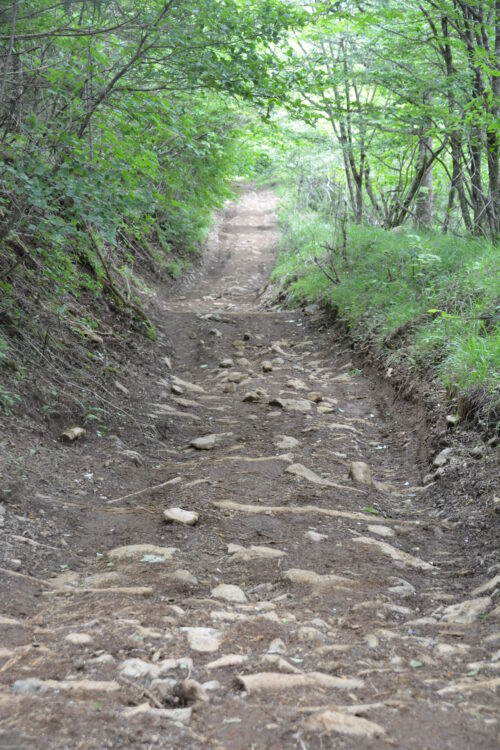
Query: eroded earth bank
(316, 598)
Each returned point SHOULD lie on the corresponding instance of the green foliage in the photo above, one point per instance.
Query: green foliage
(126, 126)
(430, 300)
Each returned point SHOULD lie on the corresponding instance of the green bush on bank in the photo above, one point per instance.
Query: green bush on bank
(431, 301)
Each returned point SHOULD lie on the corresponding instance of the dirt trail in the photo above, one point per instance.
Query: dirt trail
(306, 608)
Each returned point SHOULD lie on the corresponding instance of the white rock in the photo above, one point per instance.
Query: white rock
(326, 408)
(222, 615)
(204, 443)
(315, 396)
(251, 397)
(487, 587)
(204, 640)
(137, 668)
(280, 664)
(372, 641)
(183, 576)
(442, 458)
(277, 682)
(230, 593)
(167, 665)
(191, 691)
(308, 633)
(466, 612)
(211, 685)
(9, 621)
(286, 443)
(343, 723)
(299, 470)
(179, 515)
(34, 685)
(301, 405)
(103, 659)
(313, 536)
(360, 473)
(226, 363)
(470, 686)
(296, 384)
(230, 660)
(180, 715)
(29, 686)
(381, 530)
(193, 387)
(79, 639)
(277, 647)
(402, 588)
(255, 552)
(74, 433)
(137, 551)
(445, 650)
(237, 377)
(402, 557)
(316, 580)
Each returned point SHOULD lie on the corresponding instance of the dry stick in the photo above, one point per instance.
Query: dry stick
(32, 542)
(334, 281)
(139, 492)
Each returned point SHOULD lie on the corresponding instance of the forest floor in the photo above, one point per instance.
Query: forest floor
(324, 598)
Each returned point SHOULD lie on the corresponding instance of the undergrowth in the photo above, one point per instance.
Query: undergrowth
(428, 301)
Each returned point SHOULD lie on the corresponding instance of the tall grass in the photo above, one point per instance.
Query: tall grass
(428, 299)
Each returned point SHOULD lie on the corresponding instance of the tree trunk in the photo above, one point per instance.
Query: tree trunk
(424, 204)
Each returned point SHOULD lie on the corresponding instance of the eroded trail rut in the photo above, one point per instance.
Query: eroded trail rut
(289, 615)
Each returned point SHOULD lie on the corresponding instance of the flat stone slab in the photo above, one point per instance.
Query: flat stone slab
(254, 552)
(229, 593)
(137, 552)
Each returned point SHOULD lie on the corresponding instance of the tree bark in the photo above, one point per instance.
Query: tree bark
(424, 204)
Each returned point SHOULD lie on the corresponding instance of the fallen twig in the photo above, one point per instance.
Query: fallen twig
(139, 492)
(335, 280)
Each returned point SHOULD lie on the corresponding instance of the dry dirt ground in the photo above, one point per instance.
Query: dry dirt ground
(321, 600)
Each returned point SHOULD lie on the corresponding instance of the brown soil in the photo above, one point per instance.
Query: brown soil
(424, 676)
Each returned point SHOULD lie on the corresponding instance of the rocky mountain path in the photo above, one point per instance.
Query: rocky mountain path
(279, 579)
